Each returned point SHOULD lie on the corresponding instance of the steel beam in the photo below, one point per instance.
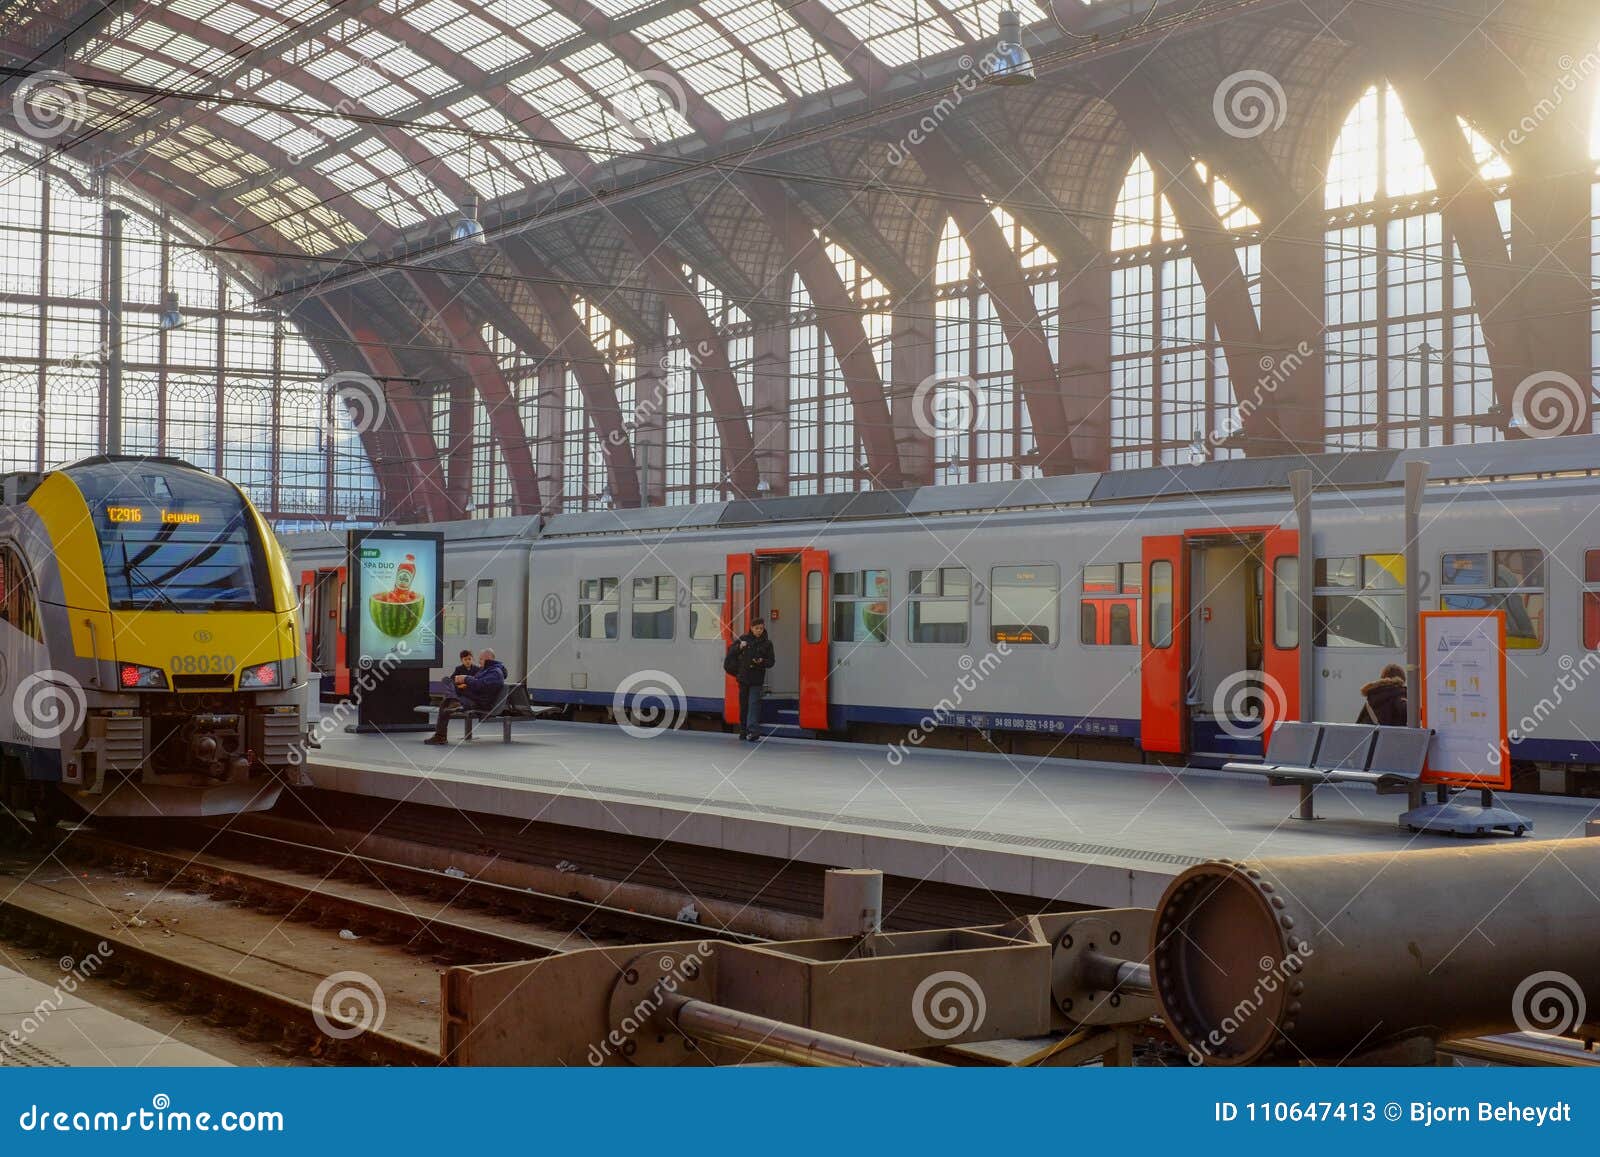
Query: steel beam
(594, 380)
(840, 319)
(412, 421)
(483, 370)
(1212, 246)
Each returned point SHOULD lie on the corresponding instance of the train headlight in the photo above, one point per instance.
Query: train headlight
(133, 677)
(261, 677)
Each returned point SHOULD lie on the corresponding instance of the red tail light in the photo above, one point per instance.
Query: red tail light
(130, 675)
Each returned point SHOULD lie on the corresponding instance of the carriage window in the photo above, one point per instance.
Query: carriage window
(655, 602)
(1286, 603)
(940, 605)
(599, 607)
(1504, 580)
(1360, 601)
(1161, 605)
(738, 607)
(814, 607)
(455, 608)
(860, 606)
(1591, 600)
(1109, 613)
(1023, 604)
(705, 605)
(18, 605)
(485, 608)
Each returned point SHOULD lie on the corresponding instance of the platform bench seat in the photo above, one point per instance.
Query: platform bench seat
(512, 706)
(1308, 754)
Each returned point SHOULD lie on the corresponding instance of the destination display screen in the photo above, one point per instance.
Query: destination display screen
(396, 590)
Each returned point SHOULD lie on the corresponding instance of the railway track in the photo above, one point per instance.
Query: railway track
(247, 930)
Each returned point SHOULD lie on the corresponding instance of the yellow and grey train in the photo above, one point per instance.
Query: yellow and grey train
(150, 652)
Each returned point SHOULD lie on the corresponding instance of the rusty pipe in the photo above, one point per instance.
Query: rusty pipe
(776, 1040)
(1326, 957)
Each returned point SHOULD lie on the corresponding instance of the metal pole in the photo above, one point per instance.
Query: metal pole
(1426, 352)
(1300, 486)
(1416, 483)
(113, 358)
(785, 1042)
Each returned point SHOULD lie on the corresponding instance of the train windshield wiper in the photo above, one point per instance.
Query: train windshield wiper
(131, 574)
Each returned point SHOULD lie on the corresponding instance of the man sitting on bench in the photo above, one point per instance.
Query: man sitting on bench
(476, 692)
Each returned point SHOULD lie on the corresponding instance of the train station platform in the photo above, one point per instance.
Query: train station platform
(45, 1026)
(1102, 834)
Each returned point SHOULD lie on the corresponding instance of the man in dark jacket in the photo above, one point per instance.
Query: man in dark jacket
(752, 657)
(475, 692)
(1386, 704)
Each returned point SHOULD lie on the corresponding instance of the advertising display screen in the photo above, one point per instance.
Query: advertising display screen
(396, 587)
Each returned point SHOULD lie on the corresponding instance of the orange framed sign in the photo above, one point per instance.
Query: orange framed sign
(1464, 697)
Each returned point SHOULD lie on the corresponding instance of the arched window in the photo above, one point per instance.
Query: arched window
(985, 433)
(1594, 261)
(233, 389)
(1171, 398)
(694, 470)
(825, 448)
(1406, 360)
(586, 485)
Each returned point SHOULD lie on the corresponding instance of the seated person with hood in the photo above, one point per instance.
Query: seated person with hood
(475, 692)
(1386, 704)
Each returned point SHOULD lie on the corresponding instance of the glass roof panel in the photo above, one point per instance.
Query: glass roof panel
(710, 62)
(896, 31)
(614, 122)
(768, 30)
(981, 18)
(535, 22)
(360, 81)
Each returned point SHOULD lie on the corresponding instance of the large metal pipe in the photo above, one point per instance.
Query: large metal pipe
(1327, 957)
(776, 1040)
(1109, 974)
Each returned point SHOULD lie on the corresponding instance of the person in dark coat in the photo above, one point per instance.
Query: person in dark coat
(1386, 703)
(463, 668)
(473, 692)
(750, 658)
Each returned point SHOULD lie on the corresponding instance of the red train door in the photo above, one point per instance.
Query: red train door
(800, 578)
(741, 604)
(1280, 644)
(814, 639)
(1164, 650)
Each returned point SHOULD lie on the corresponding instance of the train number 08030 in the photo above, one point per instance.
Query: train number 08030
(202, 664)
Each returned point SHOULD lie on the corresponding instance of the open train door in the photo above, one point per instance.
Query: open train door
(323, 606)
(1164, 651)
(814, 640)
(741, 604)
(1281, 642)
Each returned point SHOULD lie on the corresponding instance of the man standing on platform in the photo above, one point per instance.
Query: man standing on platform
(749, 660)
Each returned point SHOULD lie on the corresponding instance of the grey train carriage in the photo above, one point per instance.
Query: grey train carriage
(1138, 614)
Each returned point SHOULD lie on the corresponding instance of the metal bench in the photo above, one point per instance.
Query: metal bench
(1311, 754)
(512, 706)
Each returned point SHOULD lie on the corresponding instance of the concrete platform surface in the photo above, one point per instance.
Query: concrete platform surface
(1087, 833)
(47, 1026)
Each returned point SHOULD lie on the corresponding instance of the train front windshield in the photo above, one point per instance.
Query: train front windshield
(174, 539)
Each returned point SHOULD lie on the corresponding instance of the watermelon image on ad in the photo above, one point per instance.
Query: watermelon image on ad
(396, 613)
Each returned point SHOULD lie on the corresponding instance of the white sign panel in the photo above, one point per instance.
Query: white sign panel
(1464, 695)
